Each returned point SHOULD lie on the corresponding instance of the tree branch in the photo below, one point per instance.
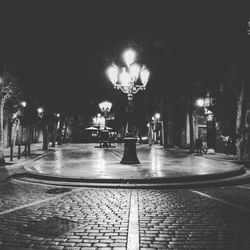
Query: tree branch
(232, 86)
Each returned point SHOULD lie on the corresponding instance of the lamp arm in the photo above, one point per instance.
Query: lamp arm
(136, 88)
(123, 89)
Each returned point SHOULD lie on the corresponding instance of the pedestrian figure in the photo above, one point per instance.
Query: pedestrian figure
(228, 144)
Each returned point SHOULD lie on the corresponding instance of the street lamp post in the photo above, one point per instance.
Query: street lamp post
(26, 125)
(105, 108)
(126, 79)
(158, 128)
(40, 112)
(206, 103)
(54, 132)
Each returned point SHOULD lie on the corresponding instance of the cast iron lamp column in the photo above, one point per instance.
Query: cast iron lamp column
(157, 128)
(126, 79)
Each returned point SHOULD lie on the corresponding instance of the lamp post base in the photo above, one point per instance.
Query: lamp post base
(129, 155)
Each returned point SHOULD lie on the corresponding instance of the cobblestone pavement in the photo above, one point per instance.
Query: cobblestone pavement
(50, 217)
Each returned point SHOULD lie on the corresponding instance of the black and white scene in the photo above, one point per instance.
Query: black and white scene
(124, 125)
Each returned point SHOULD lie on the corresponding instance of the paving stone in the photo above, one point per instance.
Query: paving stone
(83, 244)
(100, 245)
(203, 220)
(169, 219)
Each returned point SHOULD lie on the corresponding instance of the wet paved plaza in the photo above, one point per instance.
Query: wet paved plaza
(84, 161)
(39, 216)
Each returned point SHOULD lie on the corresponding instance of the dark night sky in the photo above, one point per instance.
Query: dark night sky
(60, 49)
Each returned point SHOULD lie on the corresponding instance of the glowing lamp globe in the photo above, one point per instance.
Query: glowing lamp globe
(200, 102)
(144, 75)
(124, 77)
(129, 56)
(105, 106)
(112, 73)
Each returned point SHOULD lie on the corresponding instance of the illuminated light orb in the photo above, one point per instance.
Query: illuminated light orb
(129, 56)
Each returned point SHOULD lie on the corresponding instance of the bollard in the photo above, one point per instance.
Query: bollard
(11, 153)
(19, 151)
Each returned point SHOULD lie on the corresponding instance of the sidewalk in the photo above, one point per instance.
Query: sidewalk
(16, 165)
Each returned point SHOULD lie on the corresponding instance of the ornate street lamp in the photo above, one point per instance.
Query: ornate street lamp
(206, 103)
(105, 108)
(40, 112)
(127, 80)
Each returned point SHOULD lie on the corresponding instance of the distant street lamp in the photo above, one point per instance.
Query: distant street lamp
(158, 128)
(24, 104)
(207, 103)
(105, 108)
(98, 120)
(157, 116)
(126, 79)
(155, 130)
(54, 132)
(26, 125)
(40, 112)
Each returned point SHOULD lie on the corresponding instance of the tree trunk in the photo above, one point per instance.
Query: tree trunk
(54, 133)
(66, 127)
(191, 127)
(10, 125)
(45, 137)
(61, 122)
(240, 118)
(2, 160)
(165, 131)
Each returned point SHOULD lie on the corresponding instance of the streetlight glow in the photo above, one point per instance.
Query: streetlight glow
(200, 102)
(134, 71)
(129, 56)
(127, 77)
(124, 78)
(24, 104)
(157, 116)
(40, 110)
(112, 73)
(144, 75)
(105, 106)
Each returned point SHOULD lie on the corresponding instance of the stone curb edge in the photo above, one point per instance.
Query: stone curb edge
(240, 170)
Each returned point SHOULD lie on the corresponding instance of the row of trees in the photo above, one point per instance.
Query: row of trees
(228, 66)
(13, 111)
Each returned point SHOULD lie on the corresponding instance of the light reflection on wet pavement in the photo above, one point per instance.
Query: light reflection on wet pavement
(86, 161)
